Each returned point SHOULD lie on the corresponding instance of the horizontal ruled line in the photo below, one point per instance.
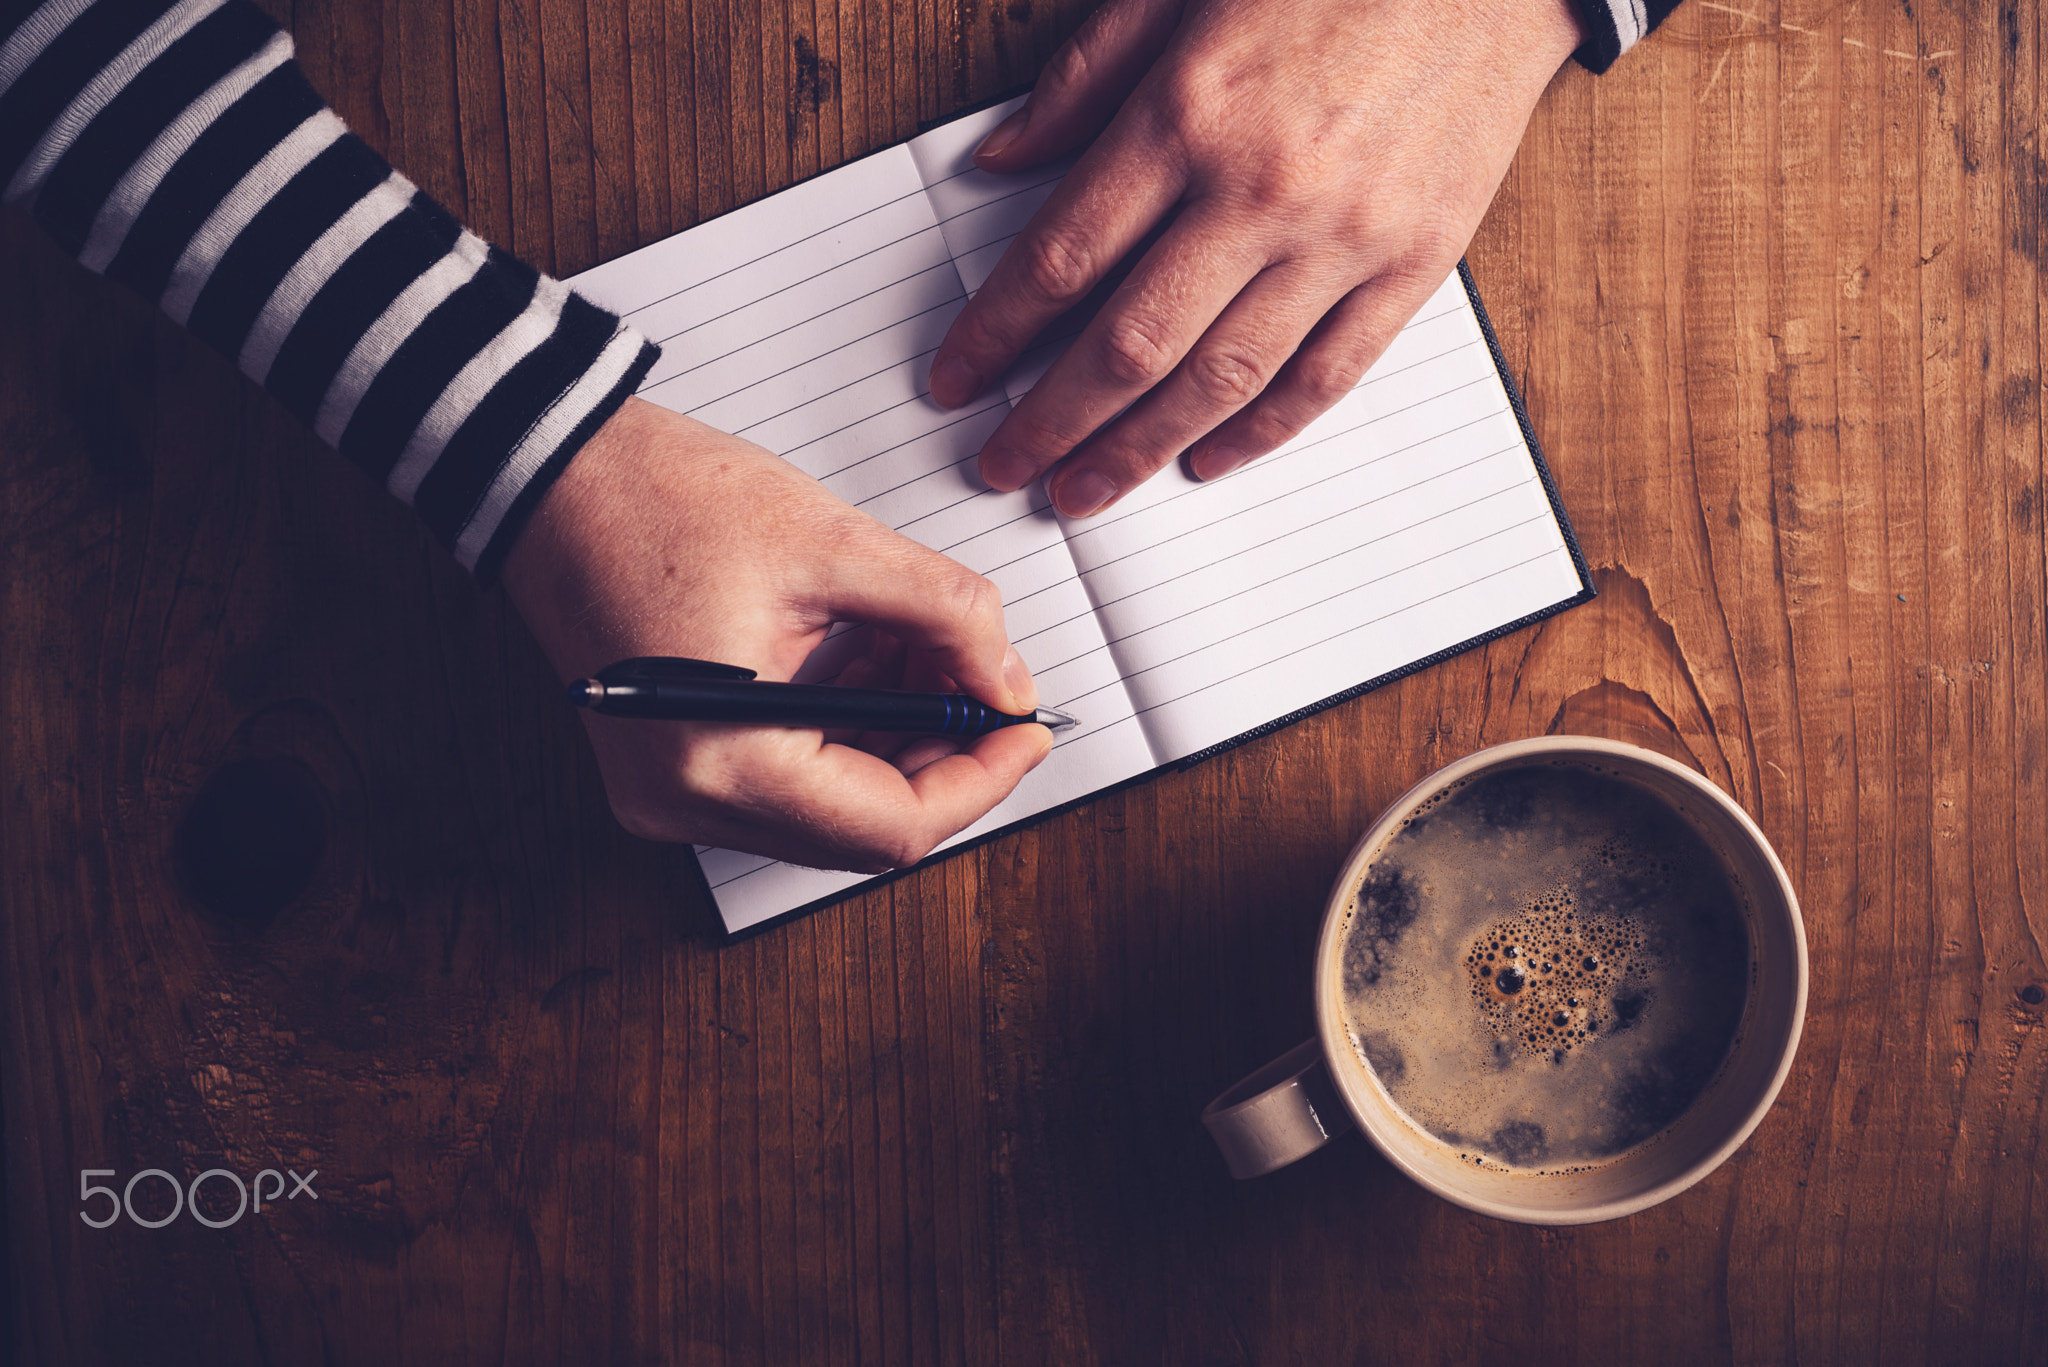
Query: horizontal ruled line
(1360, 626)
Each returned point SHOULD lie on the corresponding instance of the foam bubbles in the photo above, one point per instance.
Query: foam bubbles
(1543, 977)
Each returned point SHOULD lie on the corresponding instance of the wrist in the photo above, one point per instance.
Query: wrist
(568, 554)
(1521, 42)
(1543, 34)
(1559, 23)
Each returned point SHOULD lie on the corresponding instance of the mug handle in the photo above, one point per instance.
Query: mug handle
(1286, 1110)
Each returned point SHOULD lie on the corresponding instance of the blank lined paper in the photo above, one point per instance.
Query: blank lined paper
(1408, 521)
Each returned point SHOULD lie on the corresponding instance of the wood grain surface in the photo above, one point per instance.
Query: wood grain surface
(1773, 290)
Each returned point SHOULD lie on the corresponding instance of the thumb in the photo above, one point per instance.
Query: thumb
(1083, 85)
(937, 604)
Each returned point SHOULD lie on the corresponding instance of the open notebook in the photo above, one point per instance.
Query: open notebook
(1413, 520)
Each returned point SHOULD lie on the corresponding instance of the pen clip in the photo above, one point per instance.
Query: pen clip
(654, 668)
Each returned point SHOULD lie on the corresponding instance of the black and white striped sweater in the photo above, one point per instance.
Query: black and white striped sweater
(173, 145)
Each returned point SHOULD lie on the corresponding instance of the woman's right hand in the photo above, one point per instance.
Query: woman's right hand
(667, 537)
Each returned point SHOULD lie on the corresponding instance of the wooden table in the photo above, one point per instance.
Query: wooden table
(1773, 290)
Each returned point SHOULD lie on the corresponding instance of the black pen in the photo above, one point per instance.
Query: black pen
(698, 690)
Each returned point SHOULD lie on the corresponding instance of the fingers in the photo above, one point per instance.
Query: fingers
(1153, 320)
(1083, 85)
(935, 604)
(889, 665)
(1103, 209)
(1227, 368)
(854, 810)
(879, 666)
(924, 752)
(1329, 365)
(790, 796)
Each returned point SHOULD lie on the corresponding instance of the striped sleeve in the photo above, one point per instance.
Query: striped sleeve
(173, 145)
(1615, 26)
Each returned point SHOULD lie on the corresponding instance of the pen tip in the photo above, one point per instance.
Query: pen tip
(1058, 721)
(586, 692)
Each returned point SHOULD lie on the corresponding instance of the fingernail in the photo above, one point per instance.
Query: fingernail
(1004, 134)
(1218, 461)
(954, 382)
(1082, 493)
(1017, 675)
(1006, 470)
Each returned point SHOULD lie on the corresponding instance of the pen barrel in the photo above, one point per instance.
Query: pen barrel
(804, 705)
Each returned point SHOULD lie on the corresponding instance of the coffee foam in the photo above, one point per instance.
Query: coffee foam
(1544, 966)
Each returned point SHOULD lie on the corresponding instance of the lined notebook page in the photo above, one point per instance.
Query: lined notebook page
(1406, 520)
(806, 323)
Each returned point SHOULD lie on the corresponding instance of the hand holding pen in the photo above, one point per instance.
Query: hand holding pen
(666, 538)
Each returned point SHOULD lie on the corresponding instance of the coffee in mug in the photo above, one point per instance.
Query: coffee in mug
(1545, 966)
(1559, 980)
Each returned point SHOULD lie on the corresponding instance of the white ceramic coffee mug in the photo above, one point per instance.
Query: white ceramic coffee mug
(1320, 1089)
